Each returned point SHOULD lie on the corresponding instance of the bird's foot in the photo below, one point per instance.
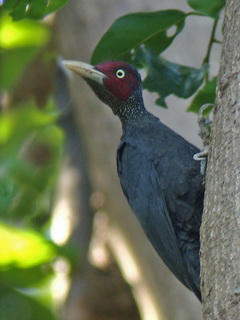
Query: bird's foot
(202, 156)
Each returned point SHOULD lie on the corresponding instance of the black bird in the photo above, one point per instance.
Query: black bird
(160, 179)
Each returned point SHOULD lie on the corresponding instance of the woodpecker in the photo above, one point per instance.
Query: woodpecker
(159, 177)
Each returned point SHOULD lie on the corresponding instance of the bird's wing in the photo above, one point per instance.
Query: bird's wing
(141, 185)
(182, 183)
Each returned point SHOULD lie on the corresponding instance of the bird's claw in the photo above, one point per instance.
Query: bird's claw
(202, 155)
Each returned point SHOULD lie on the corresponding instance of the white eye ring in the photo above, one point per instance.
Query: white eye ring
(120, 73)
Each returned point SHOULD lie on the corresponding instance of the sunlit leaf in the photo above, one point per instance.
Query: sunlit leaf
(26, 33)
(20, 43)
(23, 248)
(211, 8)
(128, 32)
(166, 78)
(205, 95)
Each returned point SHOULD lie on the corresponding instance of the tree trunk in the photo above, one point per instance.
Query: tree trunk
(220, 232)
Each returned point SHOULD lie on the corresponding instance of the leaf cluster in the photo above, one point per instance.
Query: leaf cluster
(31, 148)
(32, 9)
(141, 38)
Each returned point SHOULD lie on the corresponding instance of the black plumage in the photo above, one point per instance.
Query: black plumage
(160, 179)
(163, 186)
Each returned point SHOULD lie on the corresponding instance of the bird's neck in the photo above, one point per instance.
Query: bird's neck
(131, 111)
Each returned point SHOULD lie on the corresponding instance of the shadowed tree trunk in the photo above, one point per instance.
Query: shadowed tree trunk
(220, 233)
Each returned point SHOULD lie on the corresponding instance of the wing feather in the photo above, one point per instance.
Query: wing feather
(142, 187)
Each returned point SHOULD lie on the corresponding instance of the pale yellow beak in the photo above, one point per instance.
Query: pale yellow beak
(85, 70)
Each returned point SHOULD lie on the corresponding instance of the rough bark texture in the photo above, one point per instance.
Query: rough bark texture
(220, 234)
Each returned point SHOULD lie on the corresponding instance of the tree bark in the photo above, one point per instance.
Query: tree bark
(220, 231)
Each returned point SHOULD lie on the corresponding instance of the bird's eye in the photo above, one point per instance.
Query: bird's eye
(120, 73)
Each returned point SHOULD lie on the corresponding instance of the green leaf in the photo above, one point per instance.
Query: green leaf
(30, 158)
(11, 129)
(7, 193)
(19, 10)
(54, 5)
(20, 34)
(211, 8)
(165, 77)
(12, 65)
(36, 9)
(9, 4)
(23, 248)
(16, 305)
(161, 41)
(130, 31)
(27, 276)
(32, 9)
(206, 95)
(20, 42)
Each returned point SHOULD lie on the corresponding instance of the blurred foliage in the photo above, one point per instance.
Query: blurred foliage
(32, 9)
(23, 248)
(18, 305)
(20, 42)
(31, 147)
(141, 38)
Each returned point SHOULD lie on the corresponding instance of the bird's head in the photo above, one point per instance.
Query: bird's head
(116, 83)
